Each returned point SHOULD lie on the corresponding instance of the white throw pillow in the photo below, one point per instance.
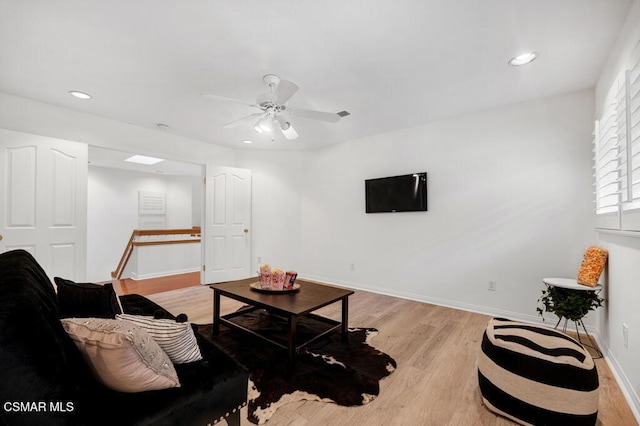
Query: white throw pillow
(121, 355)
(175, 338)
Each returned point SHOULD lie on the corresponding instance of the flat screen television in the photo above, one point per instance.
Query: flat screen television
(405, 193)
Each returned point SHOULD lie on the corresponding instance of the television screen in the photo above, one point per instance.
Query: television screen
(406, 193)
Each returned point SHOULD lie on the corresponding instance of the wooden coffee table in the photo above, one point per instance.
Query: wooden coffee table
(292, 306)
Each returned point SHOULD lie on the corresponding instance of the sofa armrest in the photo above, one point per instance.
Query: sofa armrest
(136, 304)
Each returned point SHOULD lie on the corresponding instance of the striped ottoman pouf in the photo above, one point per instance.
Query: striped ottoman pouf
(537, 375)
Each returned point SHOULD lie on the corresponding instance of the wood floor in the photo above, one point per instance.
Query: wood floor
(156, 285)
(436, 350)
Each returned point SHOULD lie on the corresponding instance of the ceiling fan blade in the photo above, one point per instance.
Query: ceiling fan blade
(285, 90)
(243, 120)
(224, 98)
(316, 115)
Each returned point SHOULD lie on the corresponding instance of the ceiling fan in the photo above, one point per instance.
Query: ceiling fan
(275, 113)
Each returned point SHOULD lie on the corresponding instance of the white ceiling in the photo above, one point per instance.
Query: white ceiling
(391, 64)
(114, 159)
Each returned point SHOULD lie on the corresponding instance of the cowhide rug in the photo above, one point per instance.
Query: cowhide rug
(329, 369)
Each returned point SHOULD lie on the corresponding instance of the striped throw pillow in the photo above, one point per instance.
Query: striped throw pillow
(176, 339)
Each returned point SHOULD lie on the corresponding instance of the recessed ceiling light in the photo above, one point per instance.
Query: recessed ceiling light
(142, 159)
(80, 95)
(525, 58)
(247, 141)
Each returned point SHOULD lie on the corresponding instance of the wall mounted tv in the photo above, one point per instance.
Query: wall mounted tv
(406, 193)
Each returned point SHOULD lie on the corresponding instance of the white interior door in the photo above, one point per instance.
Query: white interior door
(43, 201)
(227, 235)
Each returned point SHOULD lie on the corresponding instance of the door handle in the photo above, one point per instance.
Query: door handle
(0, 237)
(246, 231)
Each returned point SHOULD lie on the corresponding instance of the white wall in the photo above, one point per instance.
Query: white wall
(28, 116)
(623, 272)
(622, 293)
(510, 200)
(113, 213)
(25, 115)
(277, 185)
(197, 202)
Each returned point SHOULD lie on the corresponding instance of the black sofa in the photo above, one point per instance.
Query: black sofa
(45, 381)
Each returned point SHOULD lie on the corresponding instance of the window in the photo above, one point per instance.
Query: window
(617, 153)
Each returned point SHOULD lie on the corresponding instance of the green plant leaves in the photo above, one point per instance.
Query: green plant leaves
(567, 303)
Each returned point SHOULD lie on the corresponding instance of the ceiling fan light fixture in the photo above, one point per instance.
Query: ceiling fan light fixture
(289, 132)
(287, 129)
(283, 122)
(264, 124)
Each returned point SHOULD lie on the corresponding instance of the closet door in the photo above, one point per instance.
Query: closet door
(227, 230)
(43, 201)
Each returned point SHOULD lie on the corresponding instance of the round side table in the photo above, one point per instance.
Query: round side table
(572, 284)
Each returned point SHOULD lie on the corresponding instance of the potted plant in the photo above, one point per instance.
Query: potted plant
(567, 303)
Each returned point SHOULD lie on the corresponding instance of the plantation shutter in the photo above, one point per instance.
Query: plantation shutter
(617, 153)
(631, 173)
(623, 130)
(607, 157)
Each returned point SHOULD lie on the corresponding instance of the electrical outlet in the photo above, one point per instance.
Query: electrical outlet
(492, 285)
(353, 266)
(259, 260)
(625, 335)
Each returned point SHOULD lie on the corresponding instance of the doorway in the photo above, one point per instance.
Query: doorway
(124, 196)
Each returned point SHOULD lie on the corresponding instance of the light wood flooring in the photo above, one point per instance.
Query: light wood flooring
(156, 285)
(436, 350)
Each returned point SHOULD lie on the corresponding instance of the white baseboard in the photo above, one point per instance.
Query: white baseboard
(623, 381)
(518, 316)
(625, 384)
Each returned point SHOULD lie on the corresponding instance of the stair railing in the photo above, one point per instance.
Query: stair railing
(150, 237)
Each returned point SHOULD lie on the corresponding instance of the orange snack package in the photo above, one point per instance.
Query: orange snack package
(595, 259)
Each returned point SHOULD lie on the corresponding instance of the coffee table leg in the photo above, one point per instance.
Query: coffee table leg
(216, 312)
(291, 349)
(345, 318)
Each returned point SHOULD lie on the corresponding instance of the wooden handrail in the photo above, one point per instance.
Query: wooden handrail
(183, 231)
(194, 233)
(158, 243)
(125, 257)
